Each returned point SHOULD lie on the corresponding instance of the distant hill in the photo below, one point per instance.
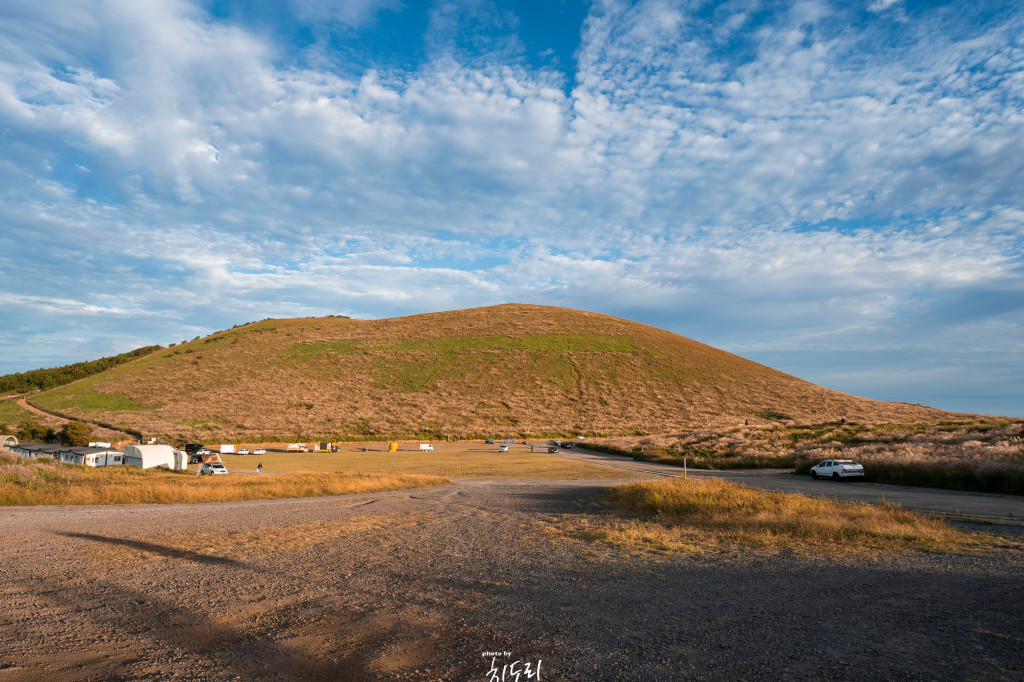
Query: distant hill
(501, 371)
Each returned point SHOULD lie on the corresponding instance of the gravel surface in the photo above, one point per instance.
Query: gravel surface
(422, 584)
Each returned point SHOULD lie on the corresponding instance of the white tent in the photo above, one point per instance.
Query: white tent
(148, 456)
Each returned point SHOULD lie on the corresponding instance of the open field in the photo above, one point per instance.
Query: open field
(420, 585)
(45, 482)
(512, 370)
(452, 460)
(12, 415)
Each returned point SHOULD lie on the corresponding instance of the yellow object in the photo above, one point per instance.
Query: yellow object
(394, 446)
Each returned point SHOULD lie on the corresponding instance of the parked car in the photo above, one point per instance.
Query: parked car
(837, 469)
(510, 441)
(204, 451)
(568, 446)
(243, 451)
(488, 442)
(552, 449)
(502, 448)
(259, 451)
(212, 468)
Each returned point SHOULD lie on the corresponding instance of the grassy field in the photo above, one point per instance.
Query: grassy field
(11, 415)
(43, 481)
(505, 371)
(453, 460)
(709, 515)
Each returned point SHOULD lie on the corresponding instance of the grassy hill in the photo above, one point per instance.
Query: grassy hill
(508, 370)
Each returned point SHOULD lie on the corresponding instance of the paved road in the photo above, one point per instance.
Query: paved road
(954, 502)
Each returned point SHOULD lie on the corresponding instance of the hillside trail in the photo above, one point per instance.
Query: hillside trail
(57, 421)
(48, 418)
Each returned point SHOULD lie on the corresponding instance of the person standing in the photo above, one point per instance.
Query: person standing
(259, 468)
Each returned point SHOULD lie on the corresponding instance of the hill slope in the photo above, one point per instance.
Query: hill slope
(509, 370)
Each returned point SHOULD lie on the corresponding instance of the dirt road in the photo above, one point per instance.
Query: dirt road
(427, 584)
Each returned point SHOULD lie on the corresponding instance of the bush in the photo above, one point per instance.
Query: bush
(32, 431)
(75, 433)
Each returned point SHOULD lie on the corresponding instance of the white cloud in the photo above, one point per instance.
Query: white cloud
(795, 181)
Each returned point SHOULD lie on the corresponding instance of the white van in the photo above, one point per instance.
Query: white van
(426, 446)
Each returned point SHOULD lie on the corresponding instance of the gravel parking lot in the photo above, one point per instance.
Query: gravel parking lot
(425, 584)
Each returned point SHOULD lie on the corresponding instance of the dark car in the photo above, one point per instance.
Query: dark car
(568, 446)
(488, 442)
(552, 449)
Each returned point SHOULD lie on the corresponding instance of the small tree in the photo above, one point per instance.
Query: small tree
(75, 433)
(32, 431)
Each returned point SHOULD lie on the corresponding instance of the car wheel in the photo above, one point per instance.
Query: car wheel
(814, 475)
(835, 475)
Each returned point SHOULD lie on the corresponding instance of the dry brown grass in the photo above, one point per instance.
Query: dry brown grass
(712, 515)
(511, 370)
(42, 481)
(980, 443)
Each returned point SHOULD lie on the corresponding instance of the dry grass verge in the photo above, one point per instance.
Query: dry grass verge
(698, 516)
(976, 456)
(32, 482)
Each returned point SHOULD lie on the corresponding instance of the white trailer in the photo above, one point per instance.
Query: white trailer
(426, 446)
(149, 456)
(227, 449)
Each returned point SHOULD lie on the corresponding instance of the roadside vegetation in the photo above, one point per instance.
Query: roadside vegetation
(711, 515)
(983, 456)
(44, 481)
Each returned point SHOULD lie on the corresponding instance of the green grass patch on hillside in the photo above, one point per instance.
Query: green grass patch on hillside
(698, 516)
(587, 343)
(550, 342)
(12, 415)
(81, 396)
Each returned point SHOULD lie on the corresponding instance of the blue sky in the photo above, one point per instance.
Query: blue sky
(833, 189)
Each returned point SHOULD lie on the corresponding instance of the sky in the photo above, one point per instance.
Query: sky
(834, 189)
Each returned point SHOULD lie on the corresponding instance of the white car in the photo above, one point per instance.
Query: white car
(837, 469)
(502, 448)
(259, 451)
(243, 451)
(212, 468)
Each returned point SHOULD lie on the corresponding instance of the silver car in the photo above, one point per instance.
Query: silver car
(212, 468)
(837, 469)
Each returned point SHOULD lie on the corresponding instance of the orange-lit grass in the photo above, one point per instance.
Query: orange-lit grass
(40, 482)
(696, 516)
